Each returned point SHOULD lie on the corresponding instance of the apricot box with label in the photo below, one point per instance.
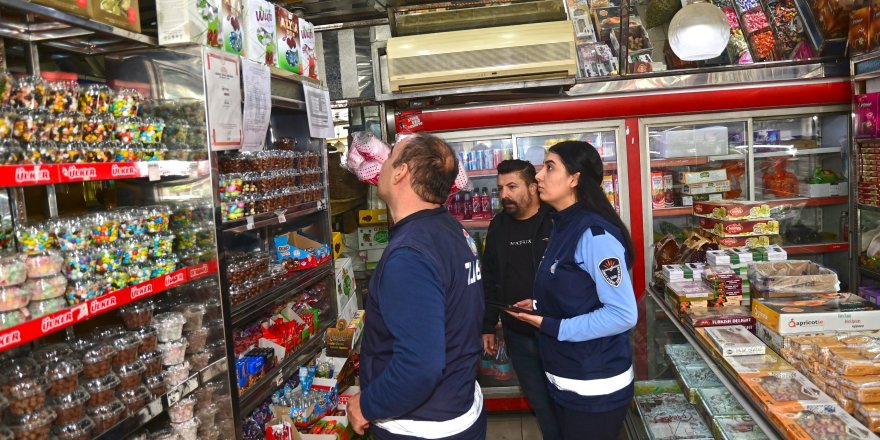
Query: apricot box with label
(817, 313)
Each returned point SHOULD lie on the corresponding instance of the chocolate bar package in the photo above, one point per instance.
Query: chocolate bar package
(737, 427)
(735, 340)
(683, 272)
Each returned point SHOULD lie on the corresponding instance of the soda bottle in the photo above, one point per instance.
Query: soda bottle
(496, 201)
(468, 208)
(487, 204)
(477, 206)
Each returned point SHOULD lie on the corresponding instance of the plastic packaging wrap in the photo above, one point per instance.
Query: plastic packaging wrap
(791, 278)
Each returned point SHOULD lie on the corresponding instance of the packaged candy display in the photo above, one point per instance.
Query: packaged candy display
(106, 415)
(177, 374)
(173, 352)
(198, 361)
(94, 99)
(151, 131)
(127, 130)
(26, 393)
(12, 270)
(187, 430)
(135, 398)
(69, 407)
(737, 427)
(693, 378)
(5, 87)
(126, 346)
(820, 422)
(63, 376)
(44, 264)
(130, 375)
(169, 325)
(80, 429)
(11, 152)
(152, 362)
(196, 340)
(156, 384)
(784, 389)
(98, 128)
(28, 92)
(11, 318)
(193, 313)
(32, 426)
(13, 297)
(149, 339)
(670, 416)
(97, 360)
(47, 288)
(101, 390)
(63, 96)
(862, 389)
(52, 352)
(125, 103)
(735, 340)
(182, 410)
(138, 315)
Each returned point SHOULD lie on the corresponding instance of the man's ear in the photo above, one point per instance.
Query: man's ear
(400, 173)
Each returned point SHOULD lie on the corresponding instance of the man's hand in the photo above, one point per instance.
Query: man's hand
(355, 416)
(534, 320)
(489, 346)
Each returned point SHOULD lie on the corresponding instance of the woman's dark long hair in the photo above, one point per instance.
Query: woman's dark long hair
(581, 157)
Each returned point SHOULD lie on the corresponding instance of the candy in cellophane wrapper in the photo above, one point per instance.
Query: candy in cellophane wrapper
(819, 421)
(659, 386)
(368, 153)
(670, 416)
(737, 427)
(714, 402)
(770, 361)
(784, 389)
(683, 354)
(693, 378)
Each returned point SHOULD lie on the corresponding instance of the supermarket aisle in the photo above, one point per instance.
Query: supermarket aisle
(517, 427)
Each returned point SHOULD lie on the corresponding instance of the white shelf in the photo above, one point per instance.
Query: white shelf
(796, 152)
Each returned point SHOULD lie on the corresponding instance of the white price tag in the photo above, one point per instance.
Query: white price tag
(279, 379)
(173, 397)
(153, 172)
(281, 217)
(250, 222)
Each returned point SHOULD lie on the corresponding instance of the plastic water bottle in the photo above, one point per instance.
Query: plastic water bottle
(496, 202)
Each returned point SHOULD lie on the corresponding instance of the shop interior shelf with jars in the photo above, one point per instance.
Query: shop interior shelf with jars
(796, 165)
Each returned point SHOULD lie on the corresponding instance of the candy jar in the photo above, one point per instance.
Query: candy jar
(128, 130)
(184, 239)
(5, 126)
(108, 258)
(177, 132)
(28, 92)
(62, 129)
(80, 291)
(125, 103)
(132, 223)
(101, 152)
(63, 96)
(11, 152)
(152, 130)
(45, 125)
(232, 209)
(152, 152)
(105, 227)
(164, 266)
(158, 218)
(24, 127)
(230, 186)
(73, 234)
(139, 273)
(74, 152)
(78, 126)
(94, 99)
(79, 264)
(126, 152)
(136, 250)
(34, 239)
(161, 245)
(43, 152)
(98, 128)
(5, 87)
(44, 264)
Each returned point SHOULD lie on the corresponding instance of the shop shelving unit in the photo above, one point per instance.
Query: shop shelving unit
(823, 137)
(865, 71)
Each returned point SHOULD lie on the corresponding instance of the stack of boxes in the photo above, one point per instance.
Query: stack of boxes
(372, 236)
(731, 224)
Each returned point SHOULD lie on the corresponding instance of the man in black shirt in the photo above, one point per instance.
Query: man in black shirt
(515, 244)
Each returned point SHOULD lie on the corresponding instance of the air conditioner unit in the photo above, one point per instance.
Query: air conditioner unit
(477, 56)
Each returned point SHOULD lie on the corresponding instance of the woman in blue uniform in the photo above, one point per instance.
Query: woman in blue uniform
(584, 298)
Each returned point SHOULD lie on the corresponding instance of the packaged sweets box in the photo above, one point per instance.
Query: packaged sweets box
(671, 416)
(683, 354)
(814, 422)
(695, 189)
(714, 317)
(704, 176)
(194, 21)
(818, 313)
(732, 210)
(751, 241)
(742, 255)
(737, 427)
(123, 14)
(692, 378)
(645, 387)
(714, 402)
(791, 278)
(735, 340)
(734, 228)
(689, 291)
(682, 272)
(758, 363)
(287, 35)
(784, 389)
(259, 26)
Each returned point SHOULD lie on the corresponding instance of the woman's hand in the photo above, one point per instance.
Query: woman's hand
(534, 320)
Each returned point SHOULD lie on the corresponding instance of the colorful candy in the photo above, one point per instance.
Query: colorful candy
(125, 103)
(105, 228)
(94, 99)
(164, 266)
(133, 223)
(98, 128)
(158, 219)
(107, 259)
(5, 126)
(184, 239)
(11, 152)
(152, 130)
(80, 291)
(139, 274)
(63, 96)
(755, 20)
(73, 235)
(161, 245)
(764, 43)
(128, 130)
(44, 264)
(135, 251)
(152, 152)
(5, 87)
(29, 93)
(74, 152)
(34, 239)
(79, 264)
(118, 279)
(126, 152)
(24, 127)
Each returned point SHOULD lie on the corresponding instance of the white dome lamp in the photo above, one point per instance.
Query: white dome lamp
(699, 31)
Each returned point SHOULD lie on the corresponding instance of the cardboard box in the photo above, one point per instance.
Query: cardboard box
(123, 14)
(758, 363)
(298, 252)
(259, 26)
(342, 338)
(682, 272)
(715, 317)
(372, 237)
(817, 313)
(232, 14)
(706, 187)
(689, 200)
(800, 423)
(287, 36)
(189, 21)
(732, 210)
(734, 228)
(791, 278)
(705, 176)
(345, 283)
(705, 141)
(77, 7)
(338, 245)
(689, 291)
(867, 114)
(816, 189)
(783, 390)
(736, 427)
(749, 241)
(368, 217)
(735, 340)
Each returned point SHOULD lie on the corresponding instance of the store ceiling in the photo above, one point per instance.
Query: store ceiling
(343, 11)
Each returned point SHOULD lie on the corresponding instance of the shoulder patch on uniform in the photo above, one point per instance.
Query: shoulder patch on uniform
(597, 230)
(611, 271)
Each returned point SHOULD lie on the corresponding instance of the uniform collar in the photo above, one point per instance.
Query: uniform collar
(418, 215)
(564, 217)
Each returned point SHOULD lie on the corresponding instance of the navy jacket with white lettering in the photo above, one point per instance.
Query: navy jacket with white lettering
(564, 290)
(453, 254)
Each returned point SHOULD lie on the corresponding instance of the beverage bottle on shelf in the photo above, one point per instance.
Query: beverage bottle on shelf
(486, 204)
(468, 209)
(489, 159)
(503, 367)
(498, 156)
(477, 205)
(496, 202)
(478, 160)
(462, 157)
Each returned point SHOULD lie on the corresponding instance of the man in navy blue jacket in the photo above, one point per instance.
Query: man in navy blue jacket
(425, 309)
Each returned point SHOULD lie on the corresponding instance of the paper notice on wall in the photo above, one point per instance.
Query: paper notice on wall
(319, 112)
(257, 104)
(223, 88)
